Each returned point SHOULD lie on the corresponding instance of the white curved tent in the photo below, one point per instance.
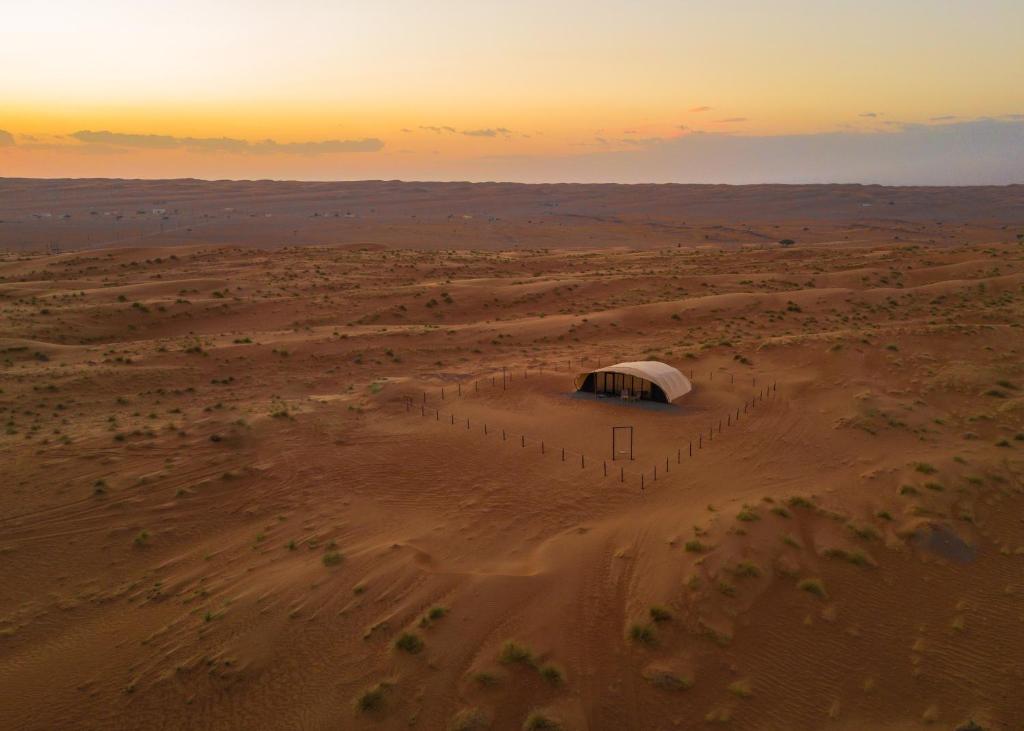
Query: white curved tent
(643, 379)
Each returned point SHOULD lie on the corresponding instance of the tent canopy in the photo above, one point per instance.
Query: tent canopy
(668, 379)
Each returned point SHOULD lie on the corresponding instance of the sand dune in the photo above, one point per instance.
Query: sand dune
(89, 214)
(235, 497)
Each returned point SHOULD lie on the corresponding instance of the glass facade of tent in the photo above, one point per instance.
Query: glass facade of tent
(622, 385)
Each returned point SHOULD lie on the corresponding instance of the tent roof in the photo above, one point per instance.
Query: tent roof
(667, 378)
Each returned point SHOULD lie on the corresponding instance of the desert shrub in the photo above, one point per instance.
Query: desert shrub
(470, 719)
(371, 699)
(642, 633)
(694, 546)
(747, 568)
(660, 614)
(741, 688)
(668, 681)
(553, 674)
(813, 586)
(513, 652)
(409, 642)
(537, 721)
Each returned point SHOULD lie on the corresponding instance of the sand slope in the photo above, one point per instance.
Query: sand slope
(232, 486)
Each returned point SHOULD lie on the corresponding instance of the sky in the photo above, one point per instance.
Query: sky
(737, 91)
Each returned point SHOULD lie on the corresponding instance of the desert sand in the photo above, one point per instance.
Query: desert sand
(234, 495)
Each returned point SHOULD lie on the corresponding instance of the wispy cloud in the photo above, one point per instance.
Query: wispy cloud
(872, 115)
(700, 109)
(6, 138)
(436, 129)
(943, 118)
(977, 152)
(729, 120)
(224, 144)
(487, 132)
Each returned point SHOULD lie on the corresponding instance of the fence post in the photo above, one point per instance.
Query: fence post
(542, 446)
(605, 462)
(460, 388)
(655, 473)
(622, 474)
(679, 456)
(442, 393)
(691, 447)
(438, 416)
(666, 465)
(467, 424)
(485, 430)
(700, 440)
(563, 454)
(522, 438)
(583, 461)
(453, 419)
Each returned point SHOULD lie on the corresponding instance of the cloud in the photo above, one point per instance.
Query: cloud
(6, 138)
(731, 119)
(487, 132)
(223, 144)
(700, 109)
(682, 127)
(641, 142)
(868, 114)
(438, 130)
(943, 118)
(977, 152)
(1015, 116)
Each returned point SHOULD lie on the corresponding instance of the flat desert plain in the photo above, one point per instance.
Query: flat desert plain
(351, 486)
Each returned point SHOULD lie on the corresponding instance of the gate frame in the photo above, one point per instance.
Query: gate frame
(614, 432)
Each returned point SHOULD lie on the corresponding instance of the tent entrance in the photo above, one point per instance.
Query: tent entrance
(623, 385)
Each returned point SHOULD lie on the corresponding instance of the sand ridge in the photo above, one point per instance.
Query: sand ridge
(221, 508)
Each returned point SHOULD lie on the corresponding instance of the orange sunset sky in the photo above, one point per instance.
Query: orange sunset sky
(894, 92)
